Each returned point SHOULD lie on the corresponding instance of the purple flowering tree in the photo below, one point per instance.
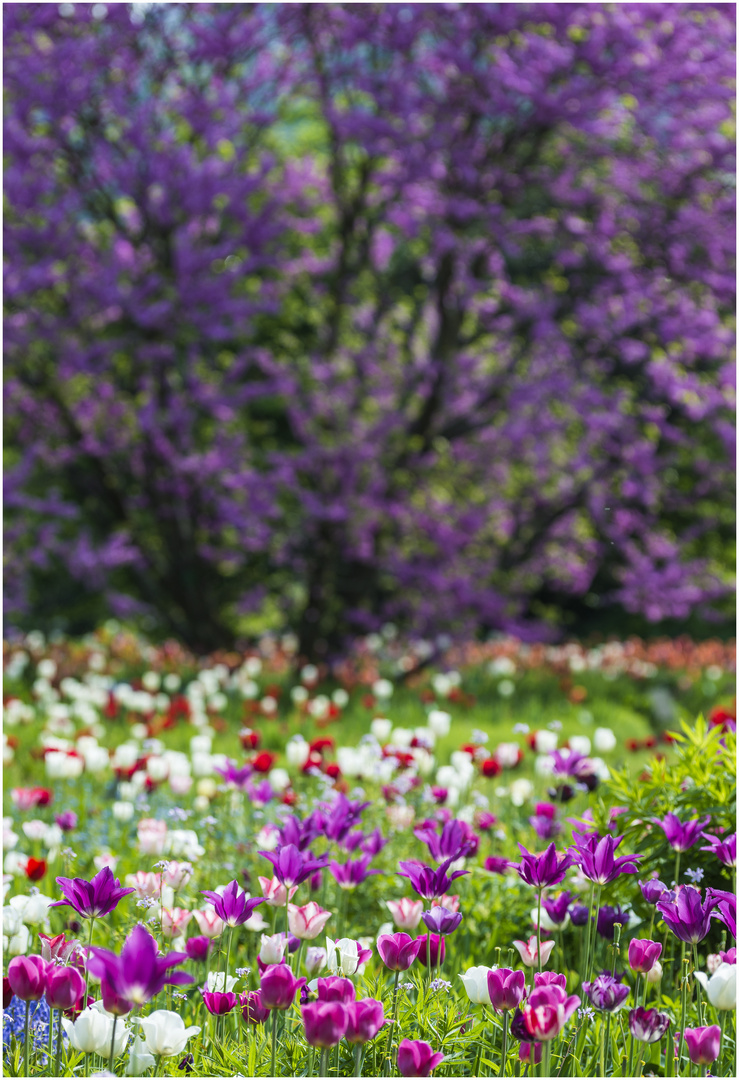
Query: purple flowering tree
(352, 313)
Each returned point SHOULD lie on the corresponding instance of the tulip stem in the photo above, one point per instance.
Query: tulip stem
(274, 1043)
(428, 958)
(504, 1046)
(58, 1058)
(587, 934)
(26, 1038)
(538, 931)
(701, 1018)
(684, 1007)
(358, 1060)
(323, 1066)
(391, 1029)
(603, 1046)
(228, 957)
(87, 970)
(546, 1067)
(51, 1032)
(112, 1042)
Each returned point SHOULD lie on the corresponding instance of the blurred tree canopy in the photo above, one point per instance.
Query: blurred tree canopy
(323, 315)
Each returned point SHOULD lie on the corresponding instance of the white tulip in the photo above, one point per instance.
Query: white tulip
(165, 1033)
(580, 744)
(272, 949)
(545, 741)
(342, 957)
(381, 728)
(475, 981)
(92, 1032)
(215, 982)
(440, 722)
(721, 987)
(123, 810)
(18, 944)
(604, 740)
(654, 975)
(139, 1059)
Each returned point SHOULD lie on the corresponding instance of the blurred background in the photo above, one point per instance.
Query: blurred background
(324, 317)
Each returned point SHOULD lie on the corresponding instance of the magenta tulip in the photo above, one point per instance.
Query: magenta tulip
(434, 952)
(217, 1002)
(547, 1011)
(325, 1022)
(334, 988)
(278, 986)
(506, 988)
(417, 1058)
(398, 951)
(252, 1009)
(64, 987)
(643, 954)
(27, 976)
(366, 1019)
(704, 1044)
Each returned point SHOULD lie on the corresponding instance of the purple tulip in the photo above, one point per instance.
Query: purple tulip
(506, 988)
(373, 844)
(543, 871)
(336, 988)
(233, 774)
(217, 1002)
(550, 978)
(291, 867)
(687, 916)
(278, 986)
(556, 908)
(457, 840)
(325, 1022)
(427, 883)
(595, 857)
(648, 1025)
(653, 890)
(606, 993)
(643, 954)
(704, 1044)
(64, 988)
(91, 899)
(113, 1002)
(441, 921)
(518, 1027)
(607, 919)
(417, 1058)
(544, 822)
(579, 914)
(398, 951)
(497, 865)
(432, 953)
(351, 873)
(197, 948)
(725, 908)
(138, 974)
(525, 1055)
(724, 850)
(252, 1009)
(682, 835)
(27, 975)
(365, 1019)
(233, 907)
(67, 820)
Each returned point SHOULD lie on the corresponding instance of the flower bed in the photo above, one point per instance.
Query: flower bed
(218, 867)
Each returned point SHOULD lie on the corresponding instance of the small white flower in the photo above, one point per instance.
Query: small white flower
(165, 1033)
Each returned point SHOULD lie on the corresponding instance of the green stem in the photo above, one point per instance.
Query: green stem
(87, 970)
(274, 1043)
(51, 1032)
(112, 1043)
(587, 933)
(26, 1038)
(602, 1047)
(684, 1008)
(358, 1060)
(391, 1029)
(228, 957)
(86, 1071)
(701, 1018)
(58, 1056)
(538, 930)
(428, 958)
(504, 1046)
(546, 1067)
(323, 1067)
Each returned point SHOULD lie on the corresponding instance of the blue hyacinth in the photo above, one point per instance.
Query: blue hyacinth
(14, 1020)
